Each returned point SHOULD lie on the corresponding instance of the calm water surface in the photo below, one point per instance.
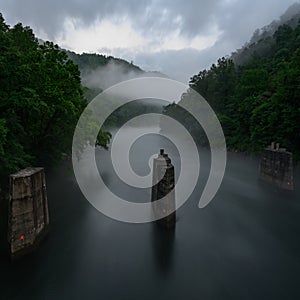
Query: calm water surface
(244, 245)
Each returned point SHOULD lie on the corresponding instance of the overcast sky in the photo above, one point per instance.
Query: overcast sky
(176, 37)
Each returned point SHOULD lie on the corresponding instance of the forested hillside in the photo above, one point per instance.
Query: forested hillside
(41, 99)
(87, 62)
(255, 94)
(257, 102)
(262, 39)
(99, 72)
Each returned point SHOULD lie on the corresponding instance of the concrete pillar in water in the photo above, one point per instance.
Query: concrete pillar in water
(28, 218)
(164, 210)
(276, 167)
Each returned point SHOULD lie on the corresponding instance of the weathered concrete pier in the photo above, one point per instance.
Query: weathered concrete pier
(276, 167)
(164, 188)
(28, 217)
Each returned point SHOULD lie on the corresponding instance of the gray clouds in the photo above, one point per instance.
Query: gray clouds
(149, 16)
(155, 20)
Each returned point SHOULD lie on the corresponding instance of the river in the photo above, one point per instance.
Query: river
(244, 245)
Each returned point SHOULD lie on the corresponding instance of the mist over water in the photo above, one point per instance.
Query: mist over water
(243, 245)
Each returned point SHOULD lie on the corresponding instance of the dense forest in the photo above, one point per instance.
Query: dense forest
(255, 94)
(41, 99)
(257, 101)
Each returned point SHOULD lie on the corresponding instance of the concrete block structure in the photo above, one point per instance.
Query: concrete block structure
(276, 167)
(28, 218)
(164, 210)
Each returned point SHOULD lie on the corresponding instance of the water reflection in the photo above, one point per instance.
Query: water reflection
(244, 245)
(163, 240)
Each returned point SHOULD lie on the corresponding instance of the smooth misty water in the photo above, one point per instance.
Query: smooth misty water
(244, 245)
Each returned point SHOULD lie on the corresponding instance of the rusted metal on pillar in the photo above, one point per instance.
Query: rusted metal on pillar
(164, 210)
(28, 211)
(276, 167)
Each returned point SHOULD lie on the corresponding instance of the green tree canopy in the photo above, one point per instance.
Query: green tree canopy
(257, 102)
(41, 100)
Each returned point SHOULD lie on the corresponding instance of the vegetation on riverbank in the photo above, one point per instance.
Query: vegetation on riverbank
(255, 94)
(257, 102)
(41, 99)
